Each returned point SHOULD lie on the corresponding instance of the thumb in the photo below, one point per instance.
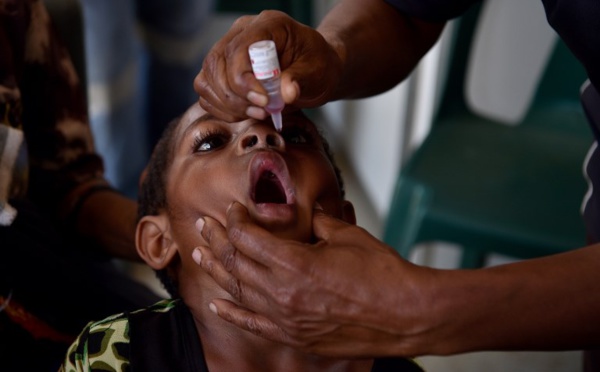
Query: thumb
(324, 225)
(290, 90)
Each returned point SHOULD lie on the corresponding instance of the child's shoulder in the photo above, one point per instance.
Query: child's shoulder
(161, 306)
(107, 341)
(120, 321)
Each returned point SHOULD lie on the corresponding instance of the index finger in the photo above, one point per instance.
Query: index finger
(231, 270)
(251, 239)
(213, 85)
(234, 46)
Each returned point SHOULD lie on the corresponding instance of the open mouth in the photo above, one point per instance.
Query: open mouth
(270, 180)
(268, 189)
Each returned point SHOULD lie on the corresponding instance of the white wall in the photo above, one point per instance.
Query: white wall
(378, 133)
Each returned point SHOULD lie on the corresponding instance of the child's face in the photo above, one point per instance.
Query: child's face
(278, 177)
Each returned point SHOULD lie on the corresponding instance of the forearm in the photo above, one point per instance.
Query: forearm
(110, 219)
(378, 45)
(542, 304)
(103, 217)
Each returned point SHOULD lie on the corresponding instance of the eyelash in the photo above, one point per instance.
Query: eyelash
(288, 132)
(295, 130)
(205, 136)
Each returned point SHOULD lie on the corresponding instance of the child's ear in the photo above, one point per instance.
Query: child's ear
(348, 214)
(154, 242)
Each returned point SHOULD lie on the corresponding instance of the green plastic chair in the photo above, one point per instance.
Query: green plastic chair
(492, 188)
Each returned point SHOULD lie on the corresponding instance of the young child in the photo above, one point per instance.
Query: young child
(200, 166)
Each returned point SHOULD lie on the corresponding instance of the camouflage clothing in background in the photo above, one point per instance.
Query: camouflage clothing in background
(44, 130)
(51, 284)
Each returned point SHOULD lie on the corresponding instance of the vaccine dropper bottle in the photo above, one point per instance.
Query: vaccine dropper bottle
(265, 65)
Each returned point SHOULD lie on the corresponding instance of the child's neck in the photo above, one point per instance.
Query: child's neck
(229, 348)
(234, 353)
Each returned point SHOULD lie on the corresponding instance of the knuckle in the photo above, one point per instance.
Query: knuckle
(211, 60)
(203, 87)
(253, 326)
(292, 297)
(233, 287)
(229, 258)
(242, 20)
(235, 234)
(288, 301)
(271, 14)
(208, 265)
(204, 103)
(295, 331)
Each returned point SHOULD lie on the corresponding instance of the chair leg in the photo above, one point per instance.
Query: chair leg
(405, 217)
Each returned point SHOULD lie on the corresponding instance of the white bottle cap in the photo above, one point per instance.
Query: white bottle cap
(263, 57)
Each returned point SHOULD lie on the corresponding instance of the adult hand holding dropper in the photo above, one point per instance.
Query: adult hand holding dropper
(265, 65)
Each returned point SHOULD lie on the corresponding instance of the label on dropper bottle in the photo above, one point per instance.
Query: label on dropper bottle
(263, 57)
(265, 65)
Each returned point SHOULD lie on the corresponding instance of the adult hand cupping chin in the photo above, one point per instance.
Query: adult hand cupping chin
(347, 295)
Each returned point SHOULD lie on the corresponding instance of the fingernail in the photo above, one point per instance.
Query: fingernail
(213, 308)
(256, 112)
(229, 207)
(292, 90)
(257, 98)
(200, 224)
(318, 206)
(197, 256)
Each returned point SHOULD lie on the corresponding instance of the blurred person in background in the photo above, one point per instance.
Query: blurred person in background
(137, 55)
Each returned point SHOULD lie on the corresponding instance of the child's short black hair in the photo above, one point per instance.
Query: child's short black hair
(152, 197)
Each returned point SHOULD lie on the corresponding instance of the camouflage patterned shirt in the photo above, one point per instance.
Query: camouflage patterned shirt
(160, 338)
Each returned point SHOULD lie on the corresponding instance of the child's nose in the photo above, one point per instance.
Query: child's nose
(261, 136)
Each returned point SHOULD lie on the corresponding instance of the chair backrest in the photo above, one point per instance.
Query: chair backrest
(512, 44)
(485, 68)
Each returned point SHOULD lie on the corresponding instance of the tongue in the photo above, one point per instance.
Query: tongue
(269, 190)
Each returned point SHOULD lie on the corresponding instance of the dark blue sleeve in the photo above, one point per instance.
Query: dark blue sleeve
(578, 24)
(432, 10)
(576, 21)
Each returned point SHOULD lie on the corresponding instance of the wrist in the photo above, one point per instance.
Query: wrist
(435, 309)
(421, 309)
(337, 63)
(469, 309)
(71, 208)
(102, 218)
(73, 203)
